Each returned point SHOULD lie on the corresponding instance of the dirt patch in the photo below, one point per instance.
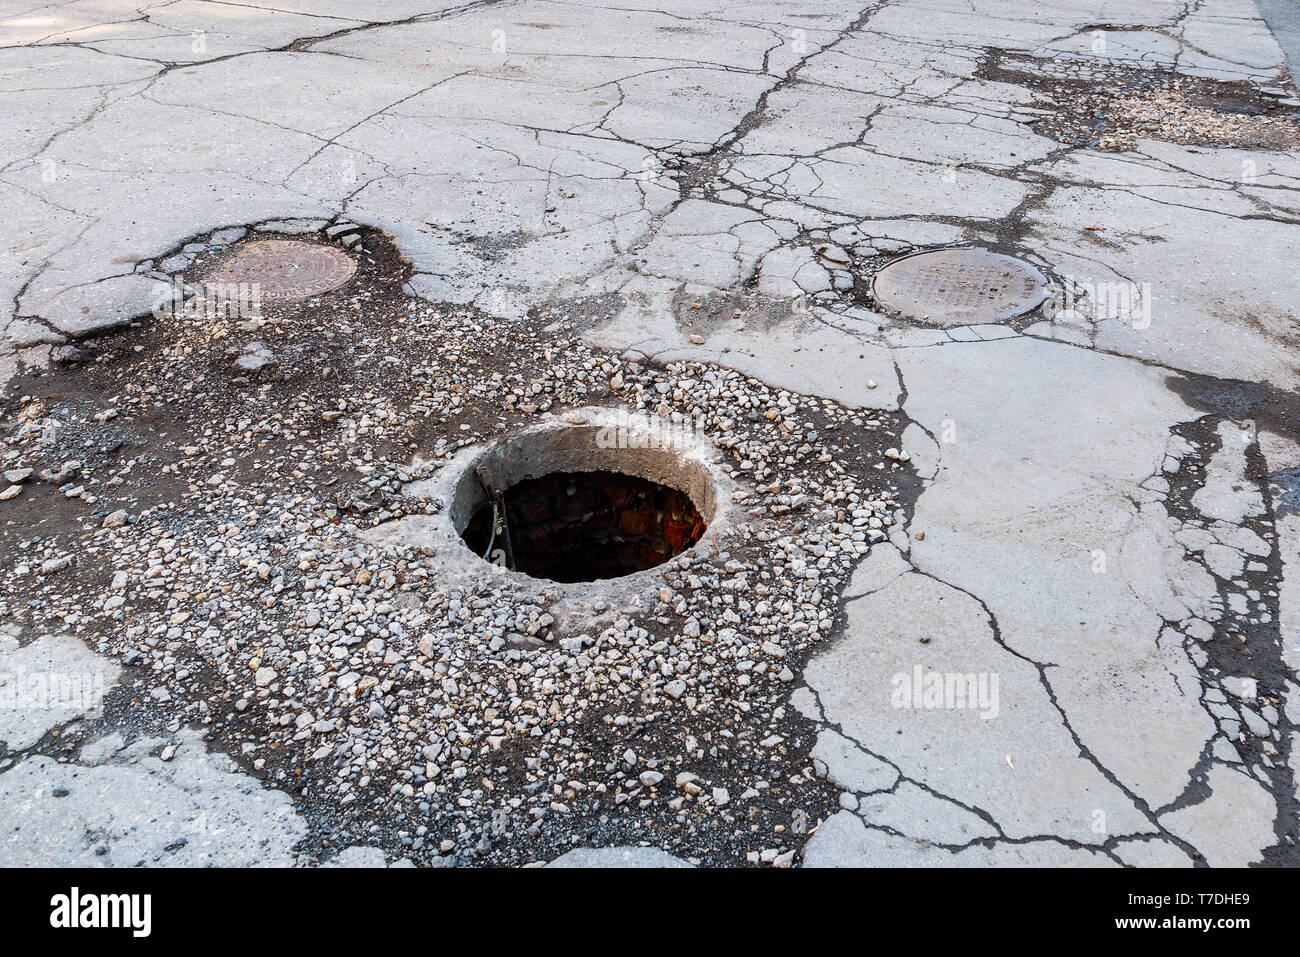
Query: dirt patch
(1109, 107)
(211, 539)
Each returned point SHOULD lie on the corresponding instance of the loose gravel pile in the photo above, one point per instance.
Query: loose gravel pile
(1190, 118)
(1107, 106)
(199, 517)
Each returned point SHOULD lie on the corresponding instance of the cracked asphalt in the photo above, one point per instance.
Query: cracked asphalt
(1089, 513)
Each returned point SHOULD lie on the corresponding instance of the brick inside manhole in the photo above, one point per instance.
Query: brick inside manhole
(953, 287)
(584, 526)
(285, 269)
(569, 505)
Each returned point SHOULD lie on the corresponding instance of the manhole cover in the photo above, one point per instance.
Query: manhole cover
(286, 269)
(953, 287)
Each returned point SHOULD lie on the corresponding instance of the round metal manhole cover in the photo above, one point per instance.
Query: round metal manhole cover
(286, 269)
(953, 287)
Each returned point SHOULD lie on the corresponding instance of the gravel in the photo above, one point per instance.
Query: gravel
(213, 543)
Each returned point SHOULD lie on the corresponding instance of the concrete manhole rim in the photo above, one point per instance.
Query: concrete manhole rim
(688, 453)
(325, 268)
(963, 316)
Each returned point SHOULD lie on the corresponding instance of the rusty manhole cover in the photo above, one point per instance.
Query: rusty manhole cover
(286, 269)
(953, 287)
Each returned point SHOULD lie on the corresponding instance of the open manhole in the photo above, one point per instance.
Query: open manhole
(285, 268)
(954, 287)
(577, 504)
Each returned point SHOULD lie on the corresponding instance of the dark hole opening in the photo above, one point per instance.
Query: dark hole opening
(584, 526)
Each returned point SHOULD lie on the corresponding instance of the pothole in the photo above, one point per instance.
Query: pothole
(285, 268)
(1111, 106)
(962, 286)
(309, 469)
(584, 503)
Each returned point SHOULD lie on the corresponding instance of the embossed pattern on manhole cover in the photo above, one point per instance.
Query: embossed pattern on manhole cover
(286, 269)
(954, 287)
